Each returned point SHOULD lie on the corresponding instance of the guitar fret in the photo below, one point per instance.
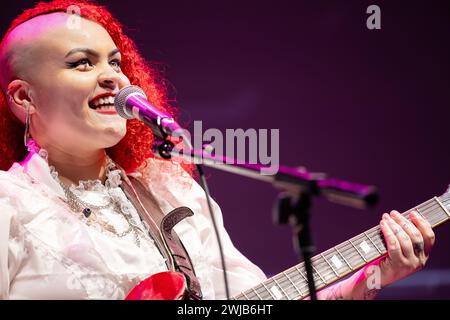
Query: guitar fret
(241, 296)
(293, 284)
(279, 286)
(305, 284)
(356, 248)
(324, 268)
(328, 267)
(273, 298)
(263, 294)
(373, 243)
(442, 206)
(418, 211)
(337, 274)
(335, 248)
(299, 271)
(425, 214)
(381, 242)
(320, 276)
(430, 214)
(257, 294)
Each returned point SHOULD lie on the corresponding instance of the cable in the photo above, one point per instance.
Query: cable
(204, 185)
(165, 150)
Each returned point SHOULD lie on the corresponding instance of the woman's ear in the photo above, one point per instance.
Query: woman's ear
(20, 99)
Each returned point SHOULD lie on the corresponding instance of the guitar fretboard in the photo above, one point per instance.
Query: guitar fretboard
(340, 261)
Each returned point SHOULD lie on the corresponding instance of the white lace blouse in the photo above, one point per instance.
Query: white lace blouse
(48, 251)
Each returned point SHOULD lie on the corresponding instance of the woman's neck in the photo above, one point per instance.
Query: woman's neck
(72, 168)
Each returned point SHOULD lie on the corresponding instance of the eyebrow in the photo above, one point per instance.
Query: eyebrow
(90, 52)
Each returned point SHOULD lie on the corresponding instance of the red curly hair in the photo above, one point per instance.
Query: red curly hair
(132, 151)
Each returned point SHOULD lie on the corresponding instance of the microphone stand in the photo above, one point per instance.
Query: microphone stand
(289, 179)
(164, 148)
(295, 211)
(300, 185)
(293, 205)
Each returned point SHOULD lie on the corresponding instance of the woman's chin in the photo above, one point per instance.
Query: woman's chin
(113, 136)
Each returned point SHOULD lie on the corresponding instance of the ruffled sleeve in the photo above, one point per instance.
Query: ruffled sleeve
(12, 248)
(183, 190)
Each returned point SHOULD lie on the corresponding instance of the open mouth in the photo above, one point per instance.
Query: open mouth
(103, 103)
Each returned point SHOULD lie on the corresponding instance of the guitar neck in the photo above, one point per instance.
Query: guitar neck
(338, 262)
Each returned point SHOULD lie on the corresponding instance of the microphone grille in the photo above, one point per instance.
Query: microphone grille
(120, 100)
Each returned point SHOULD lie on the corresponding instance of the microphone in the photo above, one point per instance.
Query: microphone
(131, 103)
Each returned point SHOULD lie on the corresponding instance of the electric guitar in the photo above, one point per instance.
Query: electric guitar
(328, 267)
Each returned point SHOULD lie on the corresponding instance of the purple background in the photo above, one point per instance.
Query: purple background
(370, 106)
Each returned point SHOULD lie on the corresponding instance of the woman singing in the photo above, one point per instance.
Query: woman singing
(67, 228)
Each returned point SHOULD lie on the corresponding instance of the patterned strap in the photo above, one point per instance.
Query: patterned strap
(181, 258)
(166, 239)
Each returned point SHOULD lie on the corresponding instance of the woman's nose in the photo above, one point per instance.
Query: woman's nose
(109, 79)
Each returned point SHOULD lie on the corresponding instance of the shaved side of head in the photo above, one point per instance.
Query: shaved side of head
(23, 42)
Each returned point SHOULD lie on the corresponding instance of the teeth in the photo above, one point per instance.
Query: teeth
(106, 101)
(106, 108)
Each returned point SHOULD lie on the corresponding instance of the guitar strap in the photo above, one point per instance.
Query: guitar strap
(161, 231)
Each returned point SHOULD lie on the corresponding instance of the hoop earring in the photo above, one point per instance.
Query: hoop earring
(27, 136)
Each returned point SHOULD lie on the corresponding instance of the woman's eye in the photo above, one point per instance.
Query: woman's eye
(115, 63)
(81, 64)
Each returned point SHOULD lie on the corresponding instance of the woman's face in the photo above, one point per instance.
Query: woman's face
(68, 69)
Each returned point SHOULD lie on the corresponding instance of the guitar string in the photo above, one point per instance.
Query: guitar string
(355, 255)
(292, 291)
(285, 275)
(358, 257)
(344, 249)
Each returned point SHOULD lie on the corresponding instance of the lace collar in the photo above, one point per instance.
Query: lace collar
(113, 174)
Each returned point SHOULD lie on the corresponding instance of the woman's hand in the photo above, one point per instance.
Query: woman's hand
(409, 244)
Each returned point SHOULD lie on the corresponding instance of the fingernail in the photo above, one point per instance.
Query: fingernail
(394, 213)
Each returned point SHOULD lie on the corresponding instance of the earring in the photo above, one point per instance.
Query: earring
(27, 135)
(9, 95)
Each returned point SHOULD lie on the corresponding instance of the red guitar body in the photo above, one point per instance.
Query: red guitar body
(167, 285)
